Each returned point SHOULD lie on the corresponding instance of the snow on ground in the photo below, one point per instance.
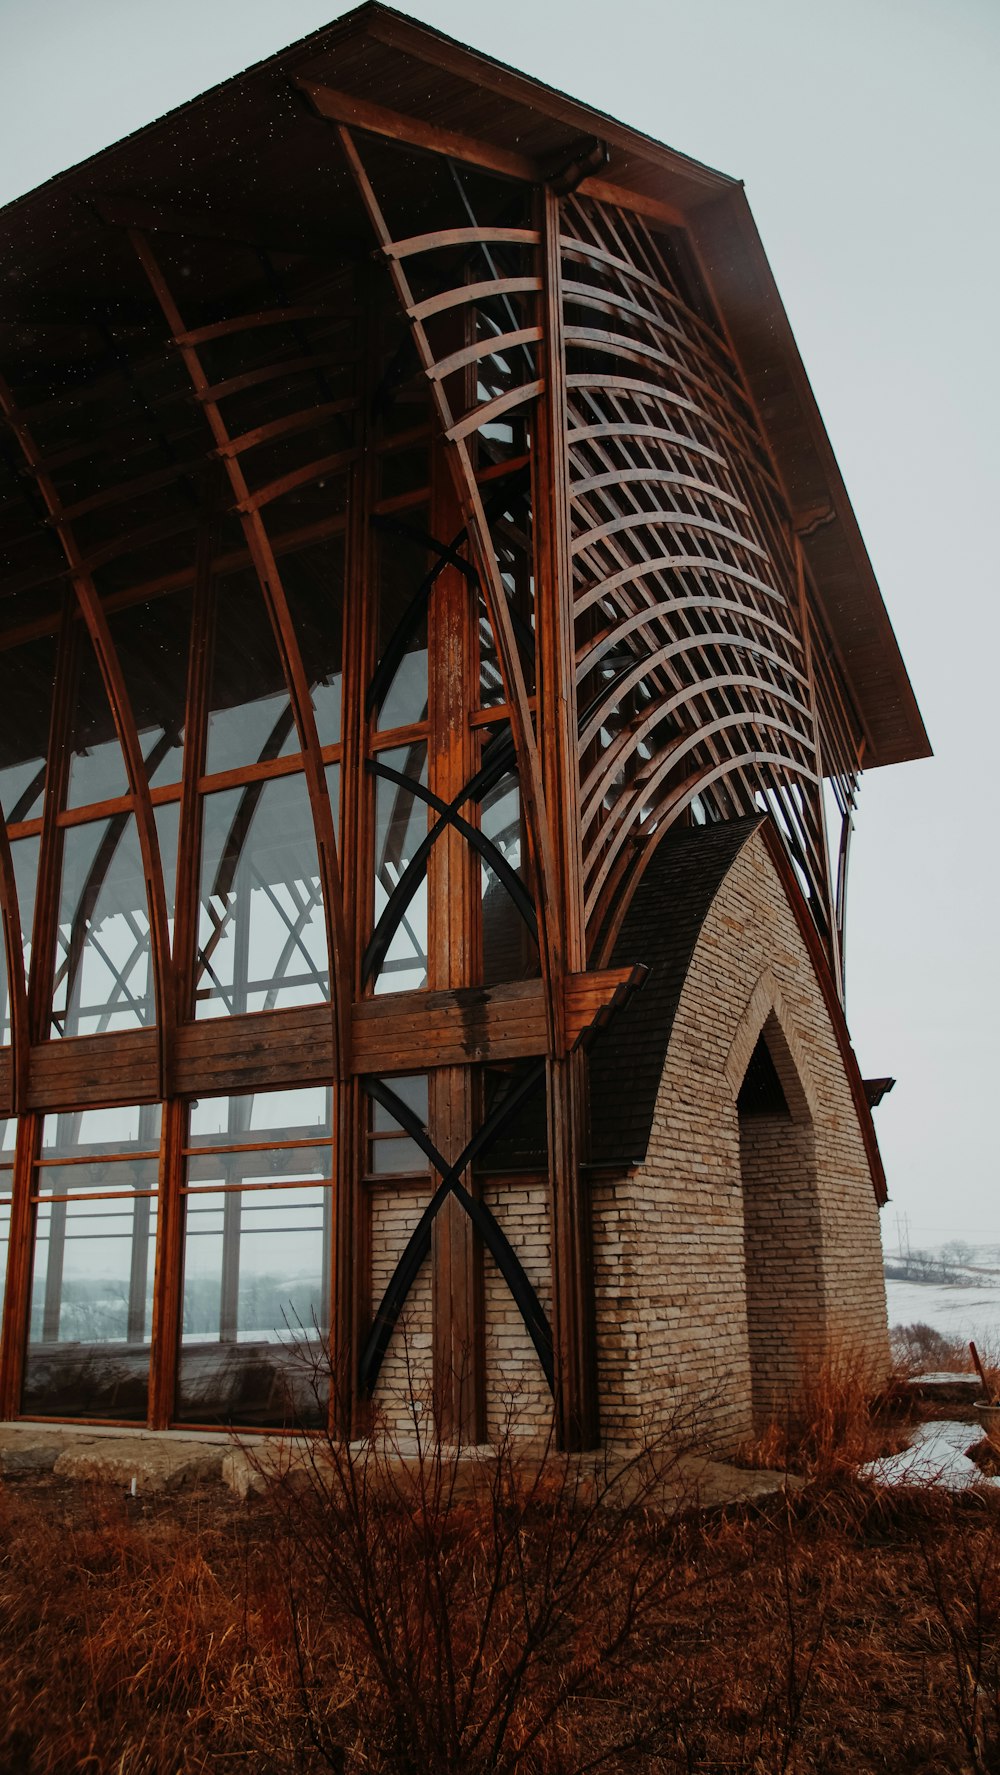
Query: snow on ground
(936, 1456)
(960, 1313)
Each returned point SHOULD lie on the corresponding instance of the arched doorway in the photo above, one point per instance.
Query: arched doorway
(782, 1230)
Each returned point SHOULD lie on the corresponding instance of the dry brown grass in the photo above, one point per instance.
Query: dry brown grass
(838, 1422)
(836, 1630)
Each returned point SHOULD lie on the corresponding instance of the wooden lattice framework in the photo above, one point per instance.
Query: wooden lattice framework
(381, 583)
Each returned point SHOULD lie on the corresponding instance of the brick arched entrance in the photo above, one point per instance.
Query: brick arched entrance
(782, 1230)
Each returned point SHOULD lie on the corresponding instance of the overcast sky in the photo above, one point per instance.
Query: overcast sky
(866, 132)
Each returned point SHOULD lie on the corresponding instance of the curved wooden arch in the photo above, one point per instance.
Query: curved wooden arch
(607, 924)
(598, 645)
(575, 248)
(455, 430)
(96, 623)
(17, 986)
(275, 602)
(646, 791)
(646, 664)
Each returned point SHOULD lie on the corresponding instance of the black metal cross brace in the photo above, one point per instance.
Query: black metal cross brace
(493, 1236)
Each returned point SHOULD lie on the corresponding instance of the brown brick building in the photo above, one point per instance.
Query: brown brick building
(437, 660)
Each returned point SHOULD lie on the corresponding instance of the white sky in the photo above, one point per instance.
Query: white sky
(866, 132)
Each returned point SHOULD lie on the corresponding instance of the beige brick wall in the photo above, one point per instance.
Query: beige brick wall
(406, 1376)
(784, 1201)
(671, 1240)
(517, 1393)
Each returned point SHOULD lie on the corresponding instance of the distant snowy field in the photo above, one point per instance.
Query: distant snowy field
(956, 1312)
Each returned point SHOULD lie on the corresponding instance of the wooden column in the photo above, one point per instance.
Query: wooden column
(349, 1263)
(453, 895)
(569, 1208)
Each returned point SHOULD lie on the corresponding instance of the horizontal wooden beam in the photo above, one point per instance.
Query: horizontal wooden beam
(378, 120)
(400, 1032)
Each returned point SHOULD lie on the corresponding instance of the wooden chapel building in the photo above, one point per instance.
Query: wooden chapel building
(437, 660)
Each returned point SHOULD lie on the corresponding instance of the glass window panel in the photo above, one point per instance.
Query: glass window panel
(403, 566)
(103, 975)
(511, 534)
(91, 1308)
(261, 933)
(411, 1090)
(24, 856)
(314, 586)
(333, 790)
(167, 818)
(4, 1244)
(152, 641)
(256, 1284)
(27, 679)
(102, 1174)
(113, 1129)
(389, 1157)
(96, 765)
(6, 1014)
(303, 1114)
(250, 717)
(8, 1139)
(306, 1164)
(400, 826)
(509, 950)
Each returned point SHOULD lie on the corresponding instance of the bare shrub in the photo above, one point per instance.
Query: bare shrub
(493, 1607)
(918, 1348)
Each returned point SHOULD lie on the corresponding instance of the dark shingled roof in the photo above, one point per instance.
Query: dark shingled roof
(661, 928)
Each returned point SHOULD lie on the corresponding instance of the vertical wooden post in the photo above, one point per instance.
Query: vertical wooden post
(453, 883)
(349, 1263)
(167, 1277)
(20, 1254)
(572, 1260)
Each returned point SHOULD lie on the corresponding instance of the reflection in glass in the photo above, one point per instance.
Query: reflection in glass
(103, 977)
(400, 826)
(27, 677)
(92, 1279)
(152, 641)
(250, 717)
(261, 930)
(97, 764)
(91, 1307)
(256, 1259)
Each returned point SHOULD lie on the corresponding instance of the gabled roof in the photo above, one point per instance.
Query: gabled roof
(251, 152)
